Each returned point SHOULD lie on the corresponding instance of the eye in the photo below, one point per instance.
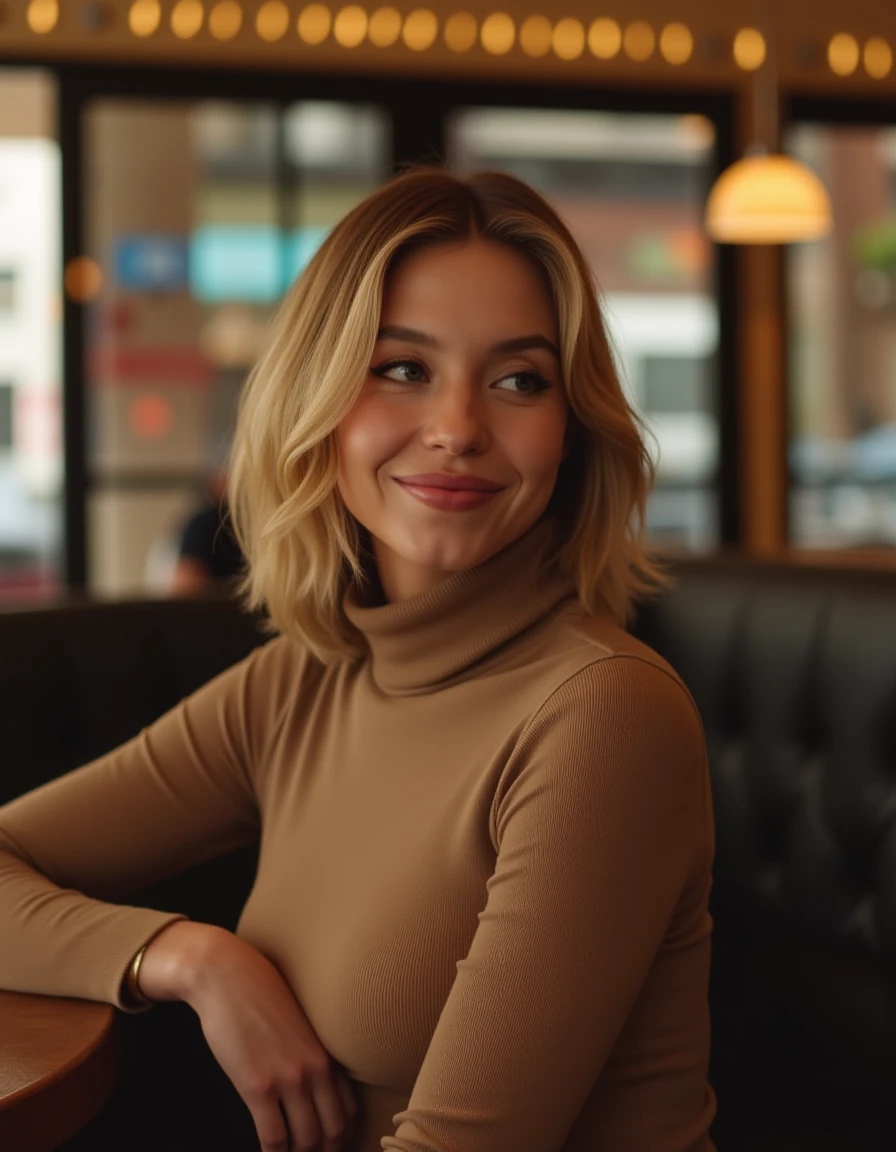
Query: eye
(531, 383)
(401, 371)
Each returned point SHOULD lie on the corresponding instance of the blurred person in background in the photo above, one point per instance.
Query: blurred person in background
(207, 551)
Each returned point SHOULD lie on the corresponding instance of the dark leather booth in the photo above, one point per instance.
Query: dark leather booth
(794, 671)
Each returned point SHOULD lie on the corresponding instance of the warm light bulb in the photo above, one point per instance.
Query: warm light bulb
(604, 39)
(350, 26)
(420, 29)
(272, 20)
(498, 33)
(535, 35)
(42, 15)
(639, 41)
(144, 17)
(225, 20)
(749, 49)
(676, 43)
(843, 54)
(314, 23)
(186, 18)
(878, 58)
(384, 27)
(568, 40)
(83, 279)
(460, 31)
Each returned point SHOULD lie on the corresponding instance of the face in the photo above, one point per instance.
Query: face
(465, 384)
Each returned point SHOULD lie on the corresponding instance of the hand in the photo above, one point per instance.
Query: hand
(262, 1039)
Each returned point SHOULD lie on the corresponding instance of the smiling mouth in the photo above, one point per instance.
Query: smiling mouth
(450, 483)
(449, 499)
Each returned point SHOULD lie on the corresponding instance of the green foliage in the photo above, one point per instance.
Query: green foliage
(874, 245)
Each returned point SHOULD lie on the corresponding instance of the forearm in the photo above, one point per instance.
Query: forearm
(55, 941)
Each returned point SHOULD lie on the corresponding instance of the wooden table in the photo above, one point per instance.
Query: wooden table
(59, 1062)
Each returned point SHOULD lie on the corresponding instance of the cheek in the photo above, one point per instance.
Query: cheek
(365, 439)
(538, 448)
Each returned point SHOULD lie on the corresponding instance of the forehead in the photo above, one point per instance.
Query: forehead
(476, 280)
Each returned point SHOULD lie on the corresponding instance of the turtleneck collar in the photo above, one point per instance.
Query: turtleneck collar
(419, 643)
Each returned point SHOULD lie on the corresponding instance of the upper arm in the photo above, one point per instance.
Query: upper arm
(182, 790)
(188, 788)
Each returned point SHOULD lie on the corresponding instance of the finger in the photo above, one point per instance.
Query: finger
(329, 1104)
(273, 1133)
(346, 1095)
(302, 1120)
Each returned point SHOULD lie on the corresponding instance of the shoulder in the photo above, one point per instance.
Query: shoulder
(611, 699)
(262, 684)
(280, 665)
(628, 687)
(591, 657)
(617, 738)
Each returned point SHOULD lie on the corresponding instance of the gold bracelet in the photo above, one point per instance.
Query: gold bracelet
(139, 1000)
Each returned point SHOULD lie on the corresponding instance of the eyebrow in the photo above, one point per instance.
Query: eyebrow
(514, 344)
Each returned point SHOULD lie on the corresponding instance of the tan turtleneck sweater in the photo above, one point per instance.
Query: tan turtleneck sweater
(484, 869)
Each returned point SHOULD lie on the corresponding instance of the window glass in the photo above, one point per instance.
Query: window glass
(842, 345)
(31, 464)
(200, 215)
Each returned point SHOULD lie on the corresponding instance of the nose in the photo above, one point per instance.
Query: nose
(455, 419)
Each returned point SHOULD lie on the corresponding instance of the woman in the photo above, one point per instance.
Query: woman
(486, 838)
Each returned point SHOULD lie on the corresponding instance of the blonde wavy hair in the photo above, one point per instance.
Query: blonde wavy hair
(301, 544)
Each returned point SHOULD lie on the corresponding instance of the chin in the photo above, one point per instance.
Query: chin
(447, 555)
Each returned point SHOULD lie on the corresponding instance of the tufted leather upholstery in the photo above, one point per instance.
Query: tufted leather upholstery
(794, 672)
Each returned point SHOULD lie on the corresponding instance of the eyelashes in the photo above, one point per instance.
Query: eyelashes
(536, 382)
(391, 365)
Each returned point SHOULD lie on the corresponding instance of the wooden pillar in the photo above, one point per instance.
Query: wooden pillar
(763, 400)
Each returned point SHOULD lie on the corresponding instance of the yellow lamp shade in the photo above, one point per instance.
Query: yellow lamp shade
(768, 199)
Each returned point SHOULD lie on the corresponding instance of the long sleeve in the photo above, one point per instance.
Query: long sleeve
(604, 838)
(181, 792)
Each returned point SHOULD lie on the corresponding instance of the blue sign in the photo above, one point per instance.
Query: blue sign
(152, 263)
(248, 262)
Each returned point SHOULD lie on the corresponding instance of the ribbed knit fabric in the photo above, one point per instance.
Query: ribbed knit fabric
(484, 870)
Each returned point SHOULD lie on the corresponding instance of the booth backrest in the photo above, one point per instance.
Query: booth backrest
(794, 671)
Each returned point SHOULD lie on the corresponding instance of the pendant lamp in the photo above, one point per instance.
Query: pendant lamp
(767, 197)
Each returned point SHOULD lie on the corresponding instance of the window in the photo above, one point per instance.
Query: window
(842, 345)
(200, 214)
(31, 469)
(676, 384)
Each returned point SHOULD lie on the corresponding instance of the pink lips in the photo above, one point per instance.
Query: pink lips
(451, 480)
(449, 493)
